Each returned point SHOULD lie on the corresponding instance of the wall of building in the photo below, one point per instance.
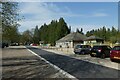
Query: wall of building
(90, 42)
(64, 44)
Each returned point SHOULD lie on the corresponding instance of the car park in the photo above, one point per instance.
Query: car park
(115, 53)
(82, 49)
(101, 51)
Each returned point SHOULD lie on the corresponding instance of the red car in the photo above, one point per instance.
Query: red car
(115, 53)
(33, 44)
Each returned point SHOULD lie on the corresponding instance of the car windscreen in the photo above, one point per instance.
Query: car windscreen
(78, 46)
(86, 46)
(96, 47)
(116, 48)
(101, 47)
(83, 46)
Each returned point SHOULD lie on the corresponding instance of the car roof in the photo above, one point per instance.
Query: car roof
(116, 46)
(83, 44)
(100, 45)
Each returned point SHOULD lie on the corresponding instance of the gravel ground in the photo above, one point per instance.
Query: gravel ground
(104, 62)
(18, 62)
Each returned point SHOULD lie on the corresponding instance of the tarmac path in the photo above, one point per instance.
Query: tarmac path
(76, 67)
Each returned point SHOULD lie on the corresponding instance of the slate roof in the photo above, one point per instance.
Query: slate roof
(94, 38)
(75, 36)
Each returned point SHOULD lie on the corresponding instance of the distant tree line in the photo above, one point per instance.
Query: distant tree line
(53, 31)
(109, 35)
(48, 33)
(58, 29)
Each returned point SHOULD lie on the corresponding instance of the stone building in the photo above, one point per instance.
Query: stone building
(71, 40)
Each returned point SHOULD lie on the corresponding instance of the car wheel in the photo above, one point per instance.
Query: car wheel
(3, 46)
(103, 56)
(75, 52)
(112, 60)
(91, 55)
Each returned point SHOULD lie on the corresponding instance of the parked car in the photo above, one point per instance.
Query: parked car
(82, 49)
(33, 44)
(101, 51)
(3, 45)
(115, 53)
(14, 44)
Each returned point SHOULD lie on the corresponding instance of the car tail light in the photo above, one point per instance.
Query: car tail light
(110, 51)
(99, 50)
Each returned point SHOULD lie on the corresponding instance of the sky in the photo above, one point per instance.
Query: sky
(86, 15)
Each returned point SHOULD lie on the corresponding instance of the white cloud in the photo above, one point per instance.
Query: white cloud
(38, 13)
(37, 10)
(28, 25)
(100, 15)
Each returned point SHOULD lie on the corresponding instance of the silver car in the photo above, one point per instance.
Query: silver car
(82, 49)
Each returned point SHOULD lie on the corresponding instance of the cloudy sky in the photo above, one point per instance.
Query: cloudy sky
(86, 15)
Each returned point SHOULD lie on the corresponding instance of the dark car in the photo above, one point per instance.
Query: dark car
(101, 51)
(14, 44)
(3, 45)
(115, 53)
(82, 49)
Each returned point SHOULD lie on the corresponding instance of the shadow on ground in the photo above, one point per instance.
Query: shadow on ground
(76, 67)
(25, 67)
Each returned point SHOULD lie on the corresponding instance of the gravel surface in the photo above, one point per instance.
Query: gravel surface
(104, 62)
(18, 62)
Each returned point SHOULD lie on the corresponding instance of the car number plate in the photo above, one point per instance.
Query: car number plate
(117, 57)
(93, 53)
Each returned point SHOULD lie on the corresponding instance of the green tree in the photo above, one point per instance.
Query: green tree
(107, 34)
(80, 31)
(88, 33)
(114, 34)
(44, 33)
(53, 31)
(62, 28)
(104, 33)
(26, 37)
(9, 21)
(69, 31)
(77, 30)
(36, 35)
